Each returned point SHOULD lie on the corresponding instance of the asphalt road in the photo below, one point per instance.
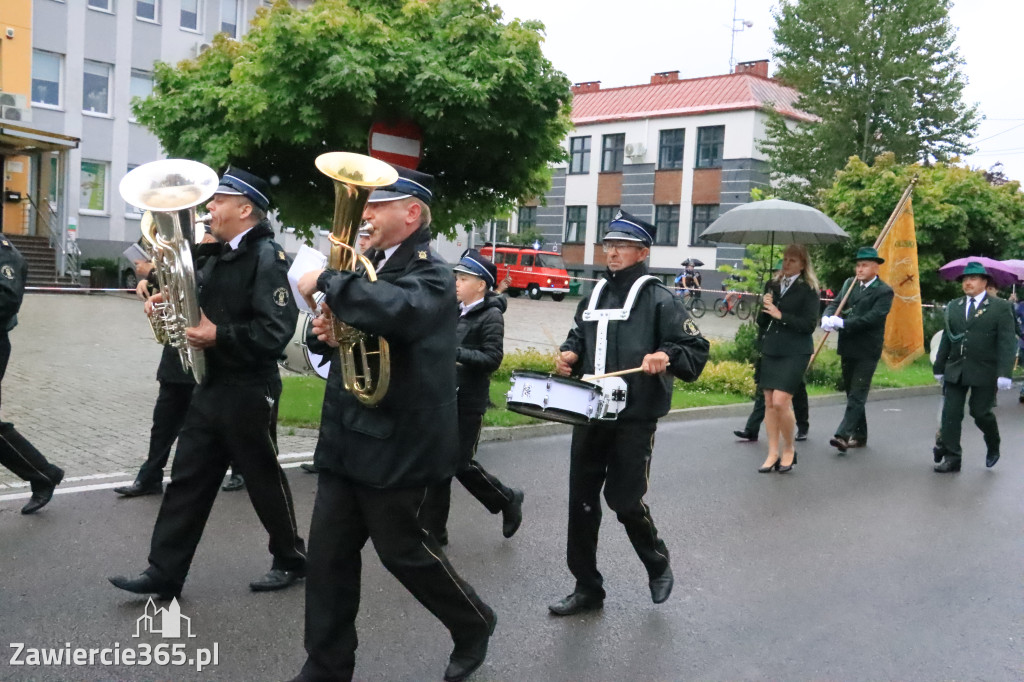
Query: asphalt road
(863, 567)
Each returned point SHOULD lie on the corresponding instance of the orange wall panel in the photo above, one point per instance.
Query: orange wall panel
(668, 187)
(707, 186)
(572, 254)
(609, 189)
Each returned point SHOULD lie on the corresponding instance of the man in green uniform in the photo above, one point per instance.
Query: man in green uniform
(975, 354)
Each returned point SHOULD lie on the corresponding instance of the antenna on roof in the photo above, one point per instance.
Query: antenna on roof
(743, 24)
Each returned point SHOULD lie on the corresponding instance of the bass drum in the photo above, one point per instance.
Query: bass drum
(297, 356)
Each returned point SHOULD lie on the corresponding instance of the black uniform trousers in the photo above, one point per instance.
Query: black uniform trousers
(168, 417)
(617, 457)
(16, 453)
(490, 491)
(982, 400)
(857, 375)
(801, 409)
(345, 514)
(225, 424)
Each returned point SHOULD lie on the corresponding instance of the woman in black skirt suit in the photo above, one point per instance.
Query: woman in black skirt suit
(787, 320)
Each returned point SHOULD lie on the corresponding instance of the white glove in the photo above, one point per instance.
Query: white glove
(836, 322)
(938, 378)
(1004, 383)
(824, 322)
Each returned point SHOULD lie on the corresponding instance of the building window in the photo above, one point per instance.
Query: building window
(612, 152)
(46, 68)
(579, 155)
(189, 15)
(605, 214)
(94, 187)
(670, 149)
(141, 87)
(104, 5)
(703, 216)
(146, 10)
(229, 17)
(527, 218)
(710, 141)
(575, 223)
(96, 87)
(666, 220)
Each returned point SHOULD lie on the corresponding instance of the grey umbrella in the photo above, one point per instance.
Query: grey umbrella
(774, 222)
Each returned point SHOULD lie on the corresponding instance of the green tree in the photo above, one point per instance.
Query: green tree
(882, 76)
(957, 213)
(492, 109)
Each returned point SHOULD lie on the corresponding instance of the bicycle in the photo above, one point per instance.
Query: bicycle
(695, 306)
(733, 303)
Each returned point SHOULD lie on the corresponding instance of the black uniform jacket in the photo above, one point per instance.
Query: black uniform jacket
(410, 437)
(13, 275)
(864, 317)
(976, 352)
(480, 335)
(790, 334)
(658, 322)
(245, 292)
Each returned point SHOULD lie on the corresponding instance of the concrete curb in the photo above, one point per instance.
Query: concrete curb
(503, 433)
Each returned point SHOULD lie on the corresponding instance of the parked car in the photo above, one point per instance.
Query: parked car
(534, 271)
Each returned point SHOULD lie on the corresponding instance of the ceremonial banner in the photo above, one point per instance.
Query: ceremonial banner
(904, 328)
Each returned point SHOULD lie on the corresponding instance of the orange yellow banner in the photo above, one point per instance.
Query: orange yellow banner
(904, 328)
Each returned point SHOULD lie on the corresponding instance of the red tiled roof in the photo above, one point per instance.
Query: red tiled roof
(730, 92)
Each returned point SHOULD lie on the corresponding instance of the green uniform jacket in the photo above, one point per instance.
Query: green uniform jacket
(863, 316)
(978, 351)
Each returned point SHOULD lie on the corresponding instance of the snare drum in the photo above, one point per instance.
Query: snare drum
(297, 356)
(555, 398)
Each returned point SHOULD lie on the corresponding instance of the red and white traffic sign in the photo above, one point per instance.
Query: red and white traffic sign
(400, 143)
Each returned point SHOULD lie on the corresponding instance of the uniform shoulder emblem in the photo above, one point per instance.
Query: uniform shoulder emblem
(280, 253)
(7, 271)
(281, 296)
(690, 328)
(6, 244)
(422, 255)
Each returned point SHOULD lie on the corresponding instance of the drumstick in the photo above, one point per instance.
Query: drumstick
(614, 374)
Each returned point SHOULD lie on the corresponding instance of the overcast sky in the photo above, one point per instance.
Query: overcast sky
(623, 42)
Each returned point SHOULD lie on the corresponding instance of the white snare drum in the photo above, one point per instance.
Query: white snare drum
(555, 398)
(297, 356)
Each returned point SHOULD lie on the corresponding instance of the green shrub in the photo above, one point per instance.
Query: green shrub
(106, 264)
(934, 320)
(746, 343)
(530, 359)
(723, 377)
(826, 370)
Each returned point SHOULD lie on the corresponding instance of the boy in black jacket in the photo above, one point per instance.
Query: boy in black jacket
(480, 336)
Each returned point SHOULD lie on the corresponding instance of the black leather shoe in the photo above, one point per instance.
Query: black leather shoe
(512, 514)
(746, 435)
(576, 603)
(276, 579)
(839, 443)
(937, 453)
(800, 435)
(309, 468)
(661, 586)
(42, 495)
(145, 584)
(991, 458)
(137, 489)
(948, 465)
(468, 656)
(234, 482)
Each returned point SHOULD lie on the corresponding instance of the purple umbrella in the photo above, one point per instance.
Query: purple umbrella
(1002, 274)
(1017, 266)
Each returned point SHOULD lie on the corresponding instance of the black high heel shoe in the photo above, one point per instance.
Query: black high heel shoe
(785, 470)
(771, 467)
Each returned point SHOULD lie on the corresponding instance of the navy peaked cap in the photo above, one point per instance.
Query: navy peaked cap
(627, 227)
(474, 263)
(410, 183)
(239, 182)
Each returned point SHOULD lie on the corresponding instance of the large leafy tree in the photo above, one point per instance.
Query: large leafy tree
(492, 109)
(957, 213)
(882, 76)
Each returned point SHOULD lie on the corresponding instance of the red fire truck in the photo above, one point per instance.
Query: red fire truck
(533, 271)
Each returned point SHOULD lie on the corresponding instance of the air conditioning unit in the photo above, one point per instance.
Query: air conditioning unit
(636, 150)
(10, 99)
(17, 114)
(200, 48)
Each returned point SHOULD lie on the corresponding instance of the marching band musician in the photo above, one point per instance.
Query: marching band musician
(659, 336)
(376, 464)
(16, 453)
(248, 318)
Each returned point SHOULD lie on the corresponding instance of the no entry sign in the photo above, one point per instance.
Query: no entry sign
(400, 143)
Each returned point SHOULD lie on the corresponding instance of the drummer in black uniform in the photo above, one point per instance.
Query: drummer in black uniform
(248, 319)
(658, 336)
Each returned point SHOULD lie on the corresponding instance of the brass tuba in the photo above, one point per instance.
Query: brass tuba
(170, 190)
(365, 358)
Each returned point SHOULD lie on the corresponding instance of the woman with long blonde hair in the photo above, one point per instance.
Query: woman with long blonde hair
(787, 320)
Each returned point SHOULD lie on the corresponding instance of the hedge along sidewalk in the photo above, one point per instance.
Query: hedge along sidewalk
(740, 409)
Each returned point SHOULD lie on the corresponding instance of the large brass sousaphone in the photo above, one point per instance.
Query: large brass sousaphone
(169, 190)
(365, 358)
